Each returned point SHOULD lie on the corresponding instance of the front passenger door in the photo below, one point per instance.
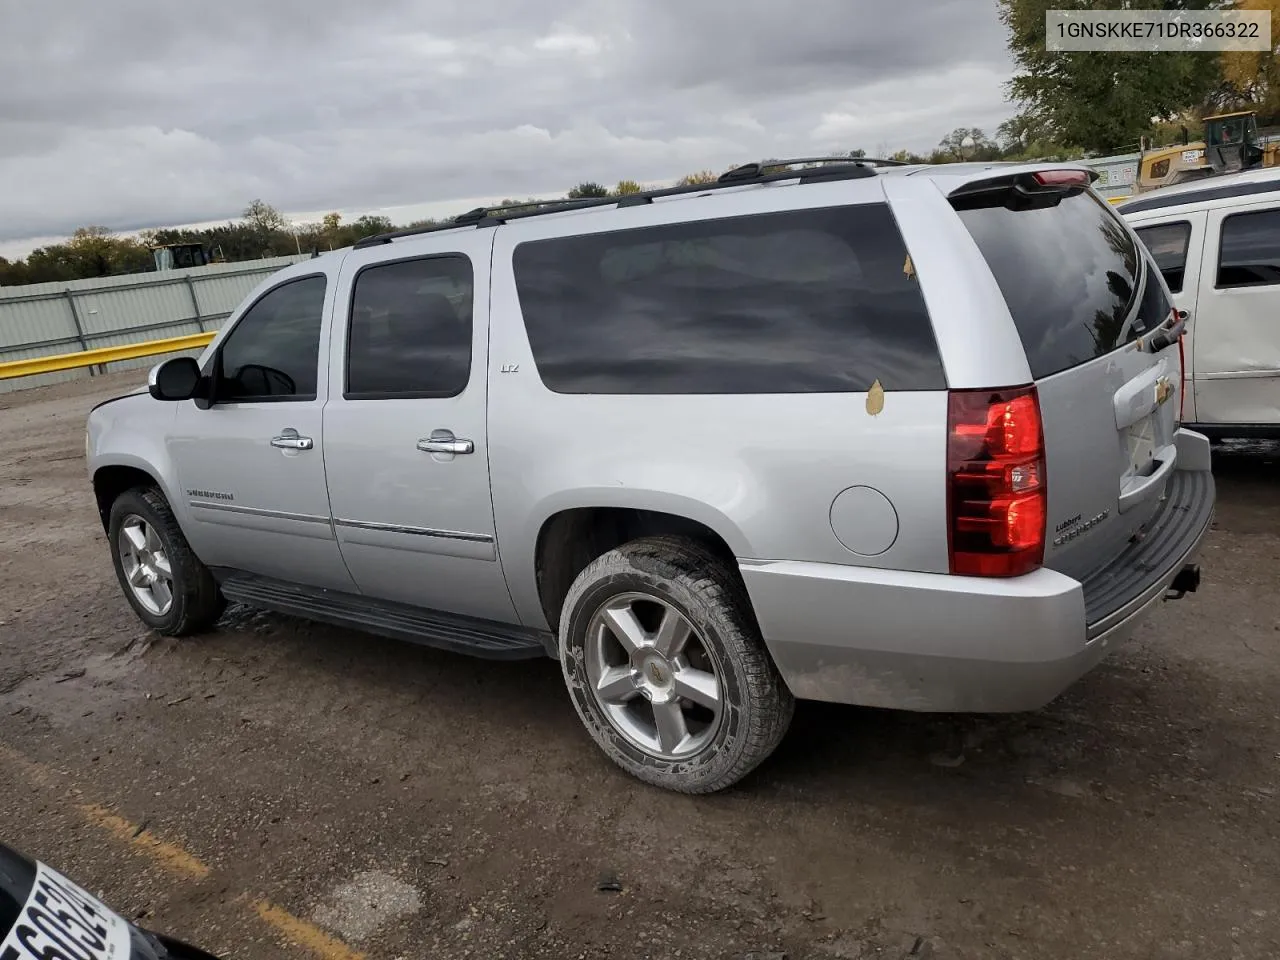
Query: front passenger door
(250, 463)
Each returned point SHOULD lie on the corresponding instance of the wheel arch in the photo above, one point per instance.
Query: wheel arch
(570, 538)
(114, 478)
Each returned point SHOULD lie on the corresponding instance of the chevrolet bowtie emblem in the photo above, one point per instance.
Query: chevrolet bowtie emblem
(1164, 390)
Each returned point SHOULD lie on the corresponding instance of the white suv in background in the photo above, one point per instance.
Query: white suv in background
(1217, 242)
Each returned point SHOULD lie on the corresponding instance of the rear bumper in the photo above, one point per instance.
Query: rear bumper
(1142, 572)
(932, 642)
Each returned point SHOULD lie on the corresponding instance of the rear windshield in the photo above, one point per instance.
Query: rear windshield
(1070, 274)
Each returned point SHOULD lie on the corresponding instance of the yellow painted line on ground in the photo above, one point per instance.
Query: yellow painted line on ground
(176, 860)
(304, 934)
(169, 855)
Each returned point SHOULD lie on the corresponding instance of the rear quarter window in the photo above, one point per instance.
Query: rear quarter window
(1167, 243)
(1070, 274)
(809, 301)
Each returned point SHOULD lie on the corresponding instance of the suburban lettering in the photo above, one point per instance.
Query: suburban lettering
(210, 495)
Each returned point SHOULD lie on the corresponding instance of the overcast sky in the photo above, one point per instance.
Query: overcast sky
(134, 114)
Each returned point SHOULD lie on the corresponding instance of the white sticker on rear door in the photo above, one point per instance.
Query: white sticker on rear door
(61, 920)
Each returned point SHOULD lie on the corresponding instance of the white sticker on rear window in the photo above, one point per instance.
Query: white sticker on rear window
(60, 919)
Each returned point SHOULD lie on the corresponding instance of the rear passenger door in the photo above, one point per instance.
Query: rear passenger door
(406, 441)
(1238, 337)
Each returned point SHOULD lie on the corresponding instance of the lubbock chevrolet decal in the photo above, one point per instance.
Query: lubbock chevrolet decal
(63, 922)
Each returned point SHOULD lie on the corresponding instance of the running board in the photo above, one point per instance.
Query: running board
(445, 631)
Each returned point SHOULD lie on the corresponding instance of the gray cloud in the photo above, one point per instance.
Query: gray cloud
(135, 114)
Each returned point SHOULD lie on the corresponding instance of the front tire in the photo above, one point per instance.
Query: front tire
(168, 587)
(666, 667)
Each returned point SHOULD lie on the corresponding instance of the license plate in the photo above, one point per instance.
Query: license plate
(61, 919)
(1140, 440)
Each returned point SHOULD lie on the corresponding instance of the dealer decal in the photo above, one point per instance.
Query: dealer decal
(61, 921)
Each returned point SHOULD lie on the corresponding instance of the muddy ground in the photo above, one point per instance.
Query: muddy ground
(412, 804)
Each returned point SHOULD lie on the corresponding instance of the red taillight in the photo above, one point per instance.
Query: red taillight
(995, 482)
(1062, 178)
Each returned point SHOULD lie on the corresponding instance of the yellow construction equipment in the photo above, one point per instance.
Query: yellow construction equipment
(1230, 145)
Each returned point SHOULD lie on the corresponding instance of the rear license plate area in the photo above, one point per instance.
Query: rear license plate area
(1140, 444)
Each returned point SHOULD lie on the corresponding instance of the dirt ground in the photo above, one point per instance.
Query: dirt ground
(280, 789)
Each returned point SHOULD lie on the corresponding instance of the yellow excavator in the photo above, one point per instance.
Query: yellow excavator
(1230, 145)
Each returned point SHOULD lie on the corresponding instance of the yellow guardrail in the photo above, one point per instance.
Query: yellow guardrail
(92, 358)
(1118, 199)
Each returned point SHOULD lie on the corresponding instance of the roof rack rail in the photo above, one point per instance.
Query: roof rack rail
(750, 171)
(818, 169)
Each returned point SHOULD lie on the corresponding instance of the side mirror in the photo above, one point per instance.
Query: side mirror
(176, 379)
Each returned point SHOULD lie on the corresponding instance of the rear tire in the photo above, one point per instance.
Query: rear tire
(697, 720)
(168, 587)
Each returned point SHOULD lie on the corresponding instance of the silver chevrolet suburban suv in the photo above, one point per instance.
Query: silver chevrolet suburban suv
(905, 437)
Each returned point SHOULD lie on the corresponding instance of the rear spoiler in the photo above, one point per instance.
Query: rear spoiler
(1028, 190)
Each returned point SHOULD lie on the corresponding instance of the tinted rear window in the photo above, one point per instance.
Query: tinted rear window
(410, 329)
(1069, 274)
(810, 301)
(1168, 245)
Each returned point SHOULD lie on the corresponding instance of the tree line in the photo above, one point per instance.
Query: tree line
(1106, 102)
(1068, 105)
(263, 231)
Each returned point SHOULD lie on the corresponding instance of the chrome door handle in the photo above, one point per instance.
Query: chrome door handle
(446, 446)
(443, 441)
(289, 440)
